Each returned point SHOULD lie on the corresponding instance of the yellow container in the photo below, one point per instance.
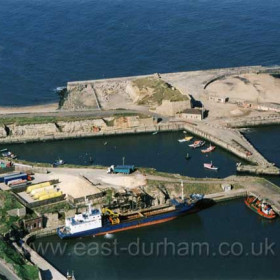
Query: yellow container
(37, 186)
(51, 195)
(46, 192)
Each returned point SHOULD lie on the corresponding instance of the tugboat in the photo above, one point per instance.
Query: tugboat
(260, 207)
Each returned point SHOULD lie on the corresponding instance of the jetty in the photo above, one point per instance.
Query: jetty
(259, 187)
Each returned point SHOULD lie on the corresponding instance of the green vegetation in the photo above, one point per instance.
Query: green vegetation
(7, 202)
(43, 119)
(55, 207)
(154, 91)
(194, 187)
(24, 270)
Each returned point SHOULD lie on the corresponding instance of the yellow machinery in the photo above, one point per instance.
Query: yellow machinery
(37, 186)
(113, 217)
(50, 195)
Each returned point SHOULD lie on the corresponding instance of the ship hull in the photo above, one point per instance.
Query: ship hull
(137, 223)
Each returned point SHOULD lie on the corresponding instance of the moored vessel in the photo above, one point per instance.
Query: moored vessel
(209, 149)
(260, 207)
(100, 222)
(210, 166)
(197, 144)
(58, 162)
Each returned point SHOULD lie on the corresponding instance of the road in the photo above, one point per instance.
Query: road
(6, 273)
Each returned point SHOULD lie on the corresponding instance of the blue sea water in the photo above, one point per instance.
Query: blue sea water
(44, 44)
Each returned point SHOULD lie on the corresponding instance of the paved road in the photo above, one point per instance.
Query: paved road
(6, 273)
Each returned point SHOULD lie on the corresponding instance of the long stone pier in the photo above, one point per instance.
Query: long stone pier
(233, 141)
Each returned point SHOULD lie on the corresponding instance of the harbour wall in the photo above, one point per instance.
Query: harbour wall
(273, 119)
(107, 132)
(196, 131)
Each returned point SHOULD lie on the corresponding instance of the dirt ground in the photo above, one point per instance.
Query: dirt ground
(52, 107)
(251, 87)
(82, 182)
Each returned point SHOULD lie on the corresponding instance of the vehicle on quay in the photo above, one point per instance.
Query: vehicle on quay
(261, 207)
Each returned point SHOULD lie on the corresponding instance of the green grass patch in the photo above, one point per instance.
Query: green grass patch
(62, 206)
(7, 202)
(43, 119)
(24, 270)
(160, 91)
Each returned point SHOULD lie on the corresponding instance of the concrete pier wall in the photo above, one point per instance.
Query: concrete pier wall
(195, 130)
(273, 119)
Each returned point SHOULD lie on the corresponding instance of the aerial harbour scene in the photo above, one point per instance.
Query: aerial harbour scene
(139, 140)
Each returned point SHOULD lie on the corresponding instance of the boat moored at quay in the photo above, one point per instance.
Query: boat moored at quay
(100, 222)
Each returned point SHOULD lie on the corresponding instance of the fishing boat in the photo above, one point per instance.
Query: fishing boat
(197, 144)
(209, 149)
(187, 157)
(185, 139)
(58, 162)
(8, 154)
(210, 166)
(260, 207)
(96, 222)
(188, 138)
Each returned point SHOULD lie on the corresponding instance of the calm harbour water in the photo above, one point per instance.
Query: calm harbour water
(44, 44)
(230, 222)
(227, 222)
(161, 151)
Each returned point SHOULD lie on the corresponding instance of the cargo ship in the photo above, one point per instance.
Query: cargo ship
(96, 222)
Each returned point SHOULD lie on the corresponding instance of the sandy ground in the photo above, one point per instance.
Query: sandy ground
(251, 87)
(52, 107)
(72, 181)
(74, 185)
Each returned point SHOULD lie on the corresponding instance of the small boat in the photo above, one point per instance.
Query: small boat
(187, 156)
(8, 154)
(58, 162)
(197, 144)
(209, 149)
(210, 166)
(182, 140)
(260, 207)
(188, 138)
(58, 89)
(154, 133)
(184, 131)
(105, 143)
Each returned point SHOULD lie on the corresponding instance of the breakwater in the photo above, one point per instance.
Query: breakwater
(272, 119)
